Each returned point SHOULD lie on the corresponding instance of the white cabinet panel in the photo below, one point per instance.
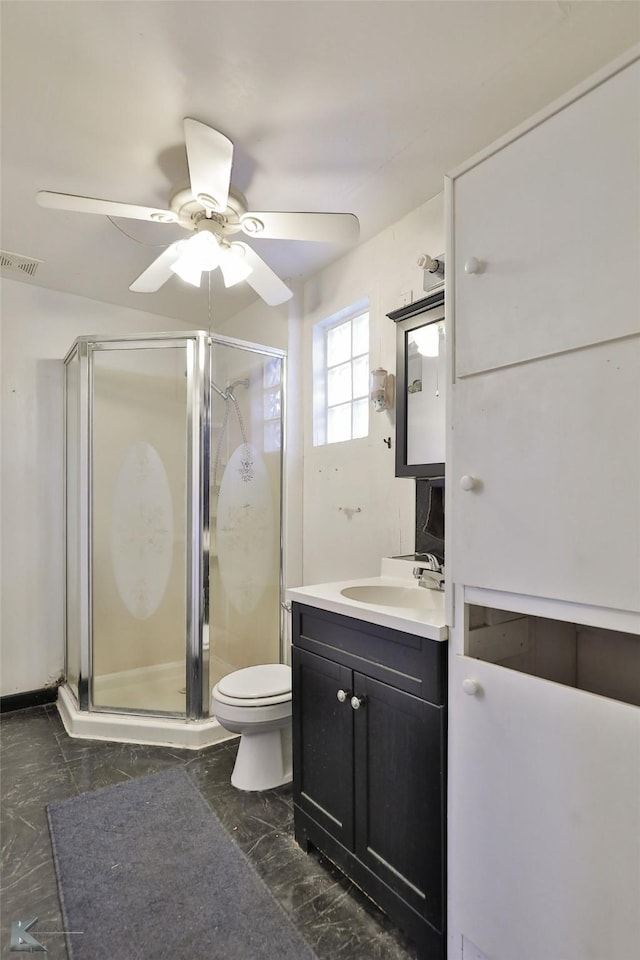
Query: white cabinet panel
(554, 450)
(554, 217)
(544, 818)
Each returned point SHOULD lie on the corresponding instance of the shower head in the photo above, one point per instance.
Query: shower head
(228, 391)
(238, 383)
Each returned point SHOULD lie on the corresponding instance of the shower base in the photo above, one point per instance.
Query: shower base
(137, 728)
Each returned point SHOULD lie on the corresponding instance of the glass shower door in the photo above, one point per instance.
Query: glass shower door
(246, 504)
(140, 454)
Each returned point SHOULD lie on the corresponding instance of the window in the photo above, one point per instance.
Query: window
(272, 404)
(341, 377)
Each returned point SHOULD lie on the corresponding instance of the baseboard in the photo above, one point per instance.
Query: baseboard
(32, 698)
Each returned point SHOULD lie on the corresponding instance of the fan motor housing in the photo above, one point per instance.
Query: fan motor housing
(189, 212)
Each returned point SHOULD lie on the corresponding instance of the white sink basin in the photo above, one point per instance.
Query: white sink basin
(384, 595)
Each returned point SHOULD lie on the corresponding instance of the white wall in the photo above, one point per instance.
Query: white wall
(361, 473)
(37, 328)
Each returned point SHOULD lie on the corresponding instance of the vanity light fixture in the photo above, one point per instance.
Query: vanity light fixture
(382, 389)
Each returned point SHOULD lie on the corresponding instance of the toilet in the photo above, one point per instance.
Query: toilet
(256, 703)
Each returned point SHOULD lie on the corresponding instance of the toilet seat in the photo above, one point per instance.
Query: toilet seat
(260, 686)
(250, 702)
(264, 680)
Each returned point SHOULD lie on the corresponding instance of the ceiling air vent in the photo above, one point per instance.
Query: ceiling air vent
(16, 264)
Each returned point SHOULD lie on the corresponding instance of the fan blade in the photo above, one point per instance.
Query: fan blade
(262, 278)
(210, 155)
(109, 208)
(158, 272)
(323, 227)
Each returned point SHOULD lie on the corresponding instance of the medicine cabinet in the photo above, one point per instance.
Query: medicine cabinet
(420, 387)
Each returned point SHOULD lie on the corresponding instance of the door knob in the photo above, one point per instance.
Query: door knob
(357, 702)
(473, 265)
(471, 687)
(343, 695)
(468, 483)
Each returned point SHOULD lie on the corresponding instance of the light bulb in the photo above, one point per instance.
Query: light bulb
(234, 268)
(204, 250)
(188, 270)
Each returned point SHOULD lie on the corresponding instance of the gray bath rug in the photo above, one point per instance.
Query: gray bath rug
(146, 871)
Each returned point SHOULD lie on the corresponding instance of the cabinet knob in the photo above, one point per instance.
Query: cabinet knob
(343, 695)
(473, 265)
(357, 702)
(468, 482)
(471, 687)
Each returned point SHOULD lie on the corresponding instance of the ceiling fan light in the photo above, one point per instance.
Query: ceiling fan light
(234, 267)
(188, 269)
(203, 249)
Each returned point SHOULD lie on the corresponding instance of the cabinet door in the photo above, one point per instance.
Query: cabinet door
(553, 219)
(323, 743)
(399, 757)
(544, 819)
(554, 447)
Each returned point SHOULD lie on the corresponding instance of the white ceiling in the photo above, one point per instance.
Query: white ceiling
(359, 107)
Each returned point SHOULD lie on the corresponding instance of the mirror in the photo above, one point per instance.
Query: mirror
(420, 383)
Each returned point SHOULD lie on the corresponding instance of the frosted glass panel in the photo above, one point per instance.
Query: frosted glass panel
(361, 377)
(272, 372)
(339, 384)
(339, 344)
(244, 555)
(339, 423)
(272, 404)
(139, 528)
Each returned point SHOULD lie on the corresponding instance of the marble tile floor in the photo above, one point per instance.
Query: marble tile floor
(40, 764)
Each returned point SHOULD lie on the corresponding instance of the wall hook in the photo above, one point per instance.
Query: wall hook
(387, 440)
(349, 511)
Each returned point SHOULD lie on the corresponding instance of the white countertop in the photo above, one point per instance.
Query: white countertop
(429, 623)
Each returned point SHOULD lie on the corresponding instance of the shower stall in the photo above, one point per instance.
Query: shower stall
(173, 513)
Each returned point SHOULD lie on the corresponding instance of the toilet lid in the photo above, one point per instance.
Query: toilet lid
(266, 680)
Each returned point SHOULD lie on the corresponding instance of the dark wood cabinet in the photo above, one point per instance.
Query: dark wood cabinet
(369, 739)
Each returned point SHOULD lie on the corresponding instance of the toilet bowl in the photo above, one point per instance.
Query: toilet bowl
(256, 703)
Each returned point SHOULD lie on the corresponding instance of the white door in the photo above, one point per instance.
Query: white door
(553, 219)
(544, 819)
(553, 447)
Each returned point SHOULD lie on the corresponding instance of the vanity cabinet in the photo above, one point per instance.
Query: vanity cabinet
(369, 734)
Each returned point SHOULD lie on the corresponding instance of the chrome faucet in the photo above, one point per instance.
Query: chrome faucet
(430, 573)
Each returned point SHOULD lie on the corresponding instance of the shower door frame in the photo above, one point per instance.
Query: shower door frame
(200, 346)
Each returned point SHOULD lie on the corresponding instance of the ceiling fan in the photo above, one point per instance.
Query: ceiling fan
(214, 213)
